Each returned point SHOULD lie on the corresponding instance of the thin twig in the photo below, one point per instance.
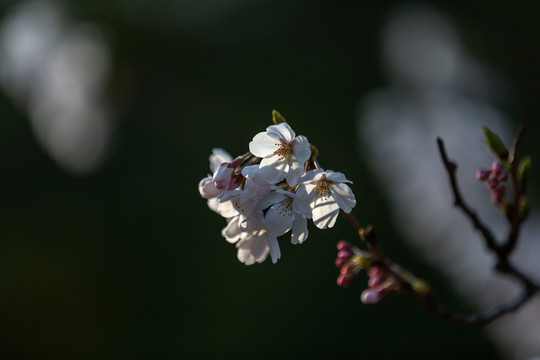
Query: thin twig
(451, 167)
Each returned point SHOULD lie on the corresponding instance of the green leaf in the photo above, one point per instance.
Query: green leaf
(495, 144)
(277, 117)
(524, 169)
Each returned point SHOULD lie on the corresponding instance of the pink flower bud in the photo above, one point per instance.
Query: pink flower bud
(502, 176)
(345, 254)
(492, 183)
(224, 176)
(345, 270)
(340, 262)
(343, 245)
(370, 296)
(483, 175)
(497, 168)
(344, 280)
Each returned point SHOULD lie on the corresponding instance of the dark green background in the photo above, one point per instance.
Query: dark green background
(128, 262)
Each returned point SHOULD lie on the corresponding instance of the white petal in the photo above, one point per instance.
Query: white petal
(208, 189)
(279, 219)
(232, 232)
(264, 144)
(252, 249)
(213, 204)
(343, 196)
(283, 130)
(218, 157)
(299, 230)
(273, 198)
(273, 169)
(250, 171)
(301, 148)
(301, 206)
(336, 176)
(275, 252)
(254, 223)
(311, 176)
(296, 169)
(325, 212)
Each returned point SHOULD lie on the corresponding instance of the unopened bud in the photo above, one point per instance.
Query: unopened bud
(497, 168)
(343, 280)
(346, 254)
(370, 296)
(340, 262)
(482, 174)
(343, 245)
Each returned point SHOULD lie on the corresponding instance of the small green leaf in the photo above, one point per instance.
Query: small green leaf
(277, 117)
(495, 144)
(524, 169)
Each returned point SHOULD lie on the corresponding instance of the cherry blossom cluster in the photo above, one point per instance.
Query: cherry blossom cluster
(494, 179)
(271, 190)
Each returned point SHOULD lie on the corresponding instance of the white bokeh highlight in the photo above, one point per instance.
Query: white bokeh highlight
(56, 70)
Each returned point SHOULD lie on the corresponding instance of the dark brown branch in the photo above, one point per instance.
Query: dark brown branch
(480, 319)
(451, 167)
(502, 252)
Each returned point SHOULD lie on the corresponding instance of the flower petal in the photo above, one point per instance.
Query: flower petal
(275, 252)
(336, 176)
(311, 176)
(252, 249)
(273, 198)
(296, 169)
(301, 148)
(218, 157)
(232, 232)
(208, 189)
(301, 206)
(279, 219)
(325, 212)
(299, 230)
(282, 130)
(273, 169)
(264, 144)
(343, 196)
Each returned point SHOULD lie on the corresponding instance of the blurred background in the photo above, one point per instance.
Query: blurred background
(109, 111)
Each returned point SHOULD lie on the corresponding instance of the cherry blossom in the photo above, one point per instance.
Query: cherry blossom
(243, 202)
(287, 211)
(283, 153)
(256, 243)
(326, 193)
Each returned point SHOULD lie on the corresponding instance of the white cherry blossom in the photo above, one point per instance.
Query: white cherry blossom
(287, 211)
(243, 202)
(256, 244)
(327, 192)
(284, 154)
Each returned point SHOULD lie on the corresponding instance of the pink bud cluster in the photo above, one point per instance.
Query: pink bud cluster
(381, 284)
(351, 260)
(494, 179)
